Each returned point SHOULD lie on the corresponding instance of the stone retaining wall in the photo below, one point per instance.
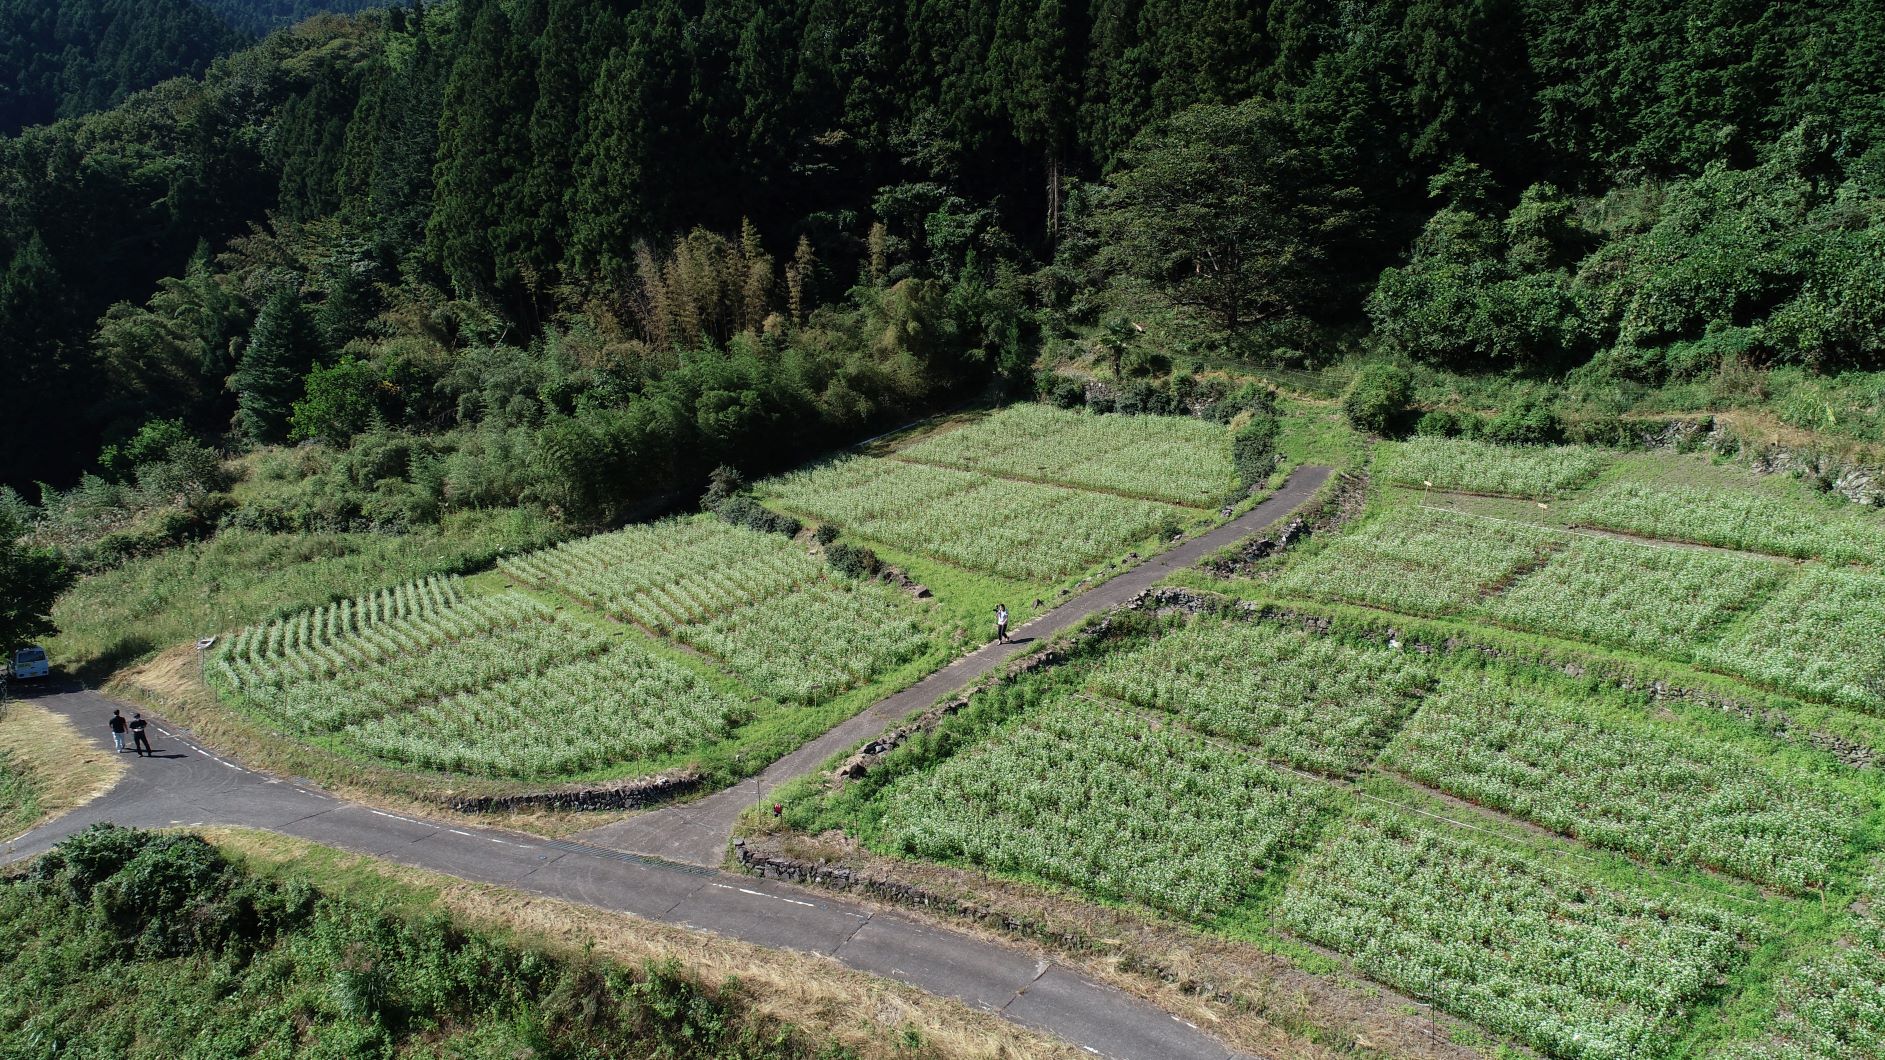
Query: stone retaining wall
(618, 795)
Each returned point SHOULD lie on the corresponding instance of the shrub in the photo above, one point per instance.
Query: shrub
(1380, 398)
(853, 561)
(743, 510)
(825, 534)
(1061, 391)
(1528, 421)
(1253, 450)
(721, 486)
(1437, 424)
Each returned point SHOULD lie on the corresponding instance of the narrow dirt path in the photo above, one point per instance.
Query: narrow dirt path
(697, 833)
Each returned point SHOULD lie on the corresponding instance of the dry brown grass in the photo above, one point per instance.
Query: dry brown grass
(816, 994)
(1241, 992)
(171, 684)
(65, 769)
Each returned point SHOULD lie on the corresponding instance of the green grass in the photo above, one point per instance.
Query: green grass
(133, 944)
(1830, 1005)
(19, 799)
(239, 577)
(1317, 433)
(1482, 467)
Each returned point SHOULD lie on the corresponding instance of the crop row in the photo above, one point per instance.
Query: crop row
(1574, 967)
(1813, 631)
(1832, 1005)
(1469, 466)
(776, 617)
(1312, 701)
(339, 639)
(1099, 800)
(1421, 561)
(468, 664)
(1021, 530)
(668, 573)
(1170, 458)
(1537, 751)
(621, 705)
(814, 641)
(1822, 634)
(1742, 519)
(1660, 599)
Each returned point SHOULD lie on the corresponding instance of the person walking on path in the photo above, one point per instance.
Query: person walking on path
(117, 730)
(1001, 623)
(138, 739)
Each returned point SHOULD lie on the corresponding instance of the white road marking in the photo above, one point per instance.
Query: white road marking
(775, 897)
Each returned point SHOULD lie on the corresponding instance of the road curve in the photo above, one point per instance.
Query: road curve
(186, 784)
(698, 832)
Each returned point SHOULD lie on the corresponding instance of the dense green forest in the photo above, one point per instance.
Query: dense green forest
(576, 253)
(73, 57)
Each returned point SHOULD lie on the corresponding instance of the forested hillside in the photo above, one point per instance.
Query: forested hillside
(64, 58)
(78, 56)
(563, 252)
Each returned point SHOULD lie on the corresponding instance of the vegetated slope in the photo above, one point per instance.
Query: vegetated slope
(67, 58)
(489, 173)
(64, 58)
(136, 944)
(258, 17)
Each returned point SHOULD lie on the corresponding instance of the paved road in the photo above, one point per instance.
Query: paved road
(698, 832)
(187, 784)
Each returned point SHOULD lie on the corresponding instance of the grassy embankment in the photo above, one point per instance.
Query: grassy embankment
(46, 767)
(164, 945)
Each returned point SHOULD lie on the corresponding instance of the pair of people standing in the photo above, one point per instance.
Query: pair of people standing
(136, 726)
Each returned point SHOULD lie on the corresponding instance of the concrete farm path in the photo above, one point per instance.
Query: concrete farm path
(187, 784)
(698, 832)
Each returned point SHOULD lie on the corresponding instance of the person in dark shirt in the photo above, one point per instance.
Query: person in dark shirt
(117, 730)
(141, 741)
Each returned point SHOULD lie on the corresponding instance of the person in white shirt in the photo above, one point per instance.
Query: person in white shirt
(1001, 623)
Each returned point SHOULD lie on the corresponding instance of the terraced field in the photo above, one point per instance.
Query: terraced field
(1411, 560)
(1026, 531)
(1553, 837)
(1660, 600)
(1740, 519)
(774, 615)
(1109, 802)
(1496, 470)
(1297, 697)
(429, 676)
(1165, 458)
(657, 642)
(1572, 966)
